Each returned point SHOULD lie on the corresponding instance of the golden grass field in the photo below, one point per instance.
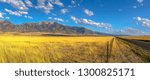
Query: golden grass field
(67, 49)
(43, 49)
(139, 37)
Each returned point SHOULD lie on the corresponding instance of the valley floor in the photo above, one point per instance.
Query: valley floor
(77, 49)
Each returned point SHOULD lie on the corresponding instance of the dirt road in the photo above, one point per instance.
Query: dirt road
(141, 43)
(132, 51)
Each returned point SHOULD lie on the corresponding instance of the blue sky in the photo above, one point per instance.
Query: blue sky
(109, 16)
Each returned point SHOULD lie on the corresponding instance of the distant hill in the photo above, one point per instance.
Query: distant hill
(51, 27)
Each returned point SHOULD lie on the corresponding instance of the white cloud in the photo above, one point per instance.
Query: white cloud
(1, 15)
(140, 4)
(56, 19)
(91, 23)
(63, 11)
(134, 7)
(29, 17)
(7, 17)
(88, 12)
(16, 13)
(22, 12)
(57, 2)
(73, 2)
(129, 31)
(46, 7)
(143, 21)
(28, 3)
(13, 12)
(140, 1)
(59, 19)
(50, 18)
(18, 4)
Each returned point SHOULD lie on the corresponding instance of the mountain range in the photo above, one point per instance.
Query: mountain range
(50, 27)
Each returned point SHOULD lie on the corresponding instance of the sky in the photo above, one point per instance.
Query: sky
(126, 17)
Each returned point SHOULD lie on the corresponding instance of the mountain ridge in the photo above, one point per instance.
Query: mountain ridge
(50, 27)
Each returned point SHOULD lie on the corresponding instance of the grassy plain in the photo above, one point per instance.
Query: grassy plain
(138, 37)
(45, 49)
(30, 48)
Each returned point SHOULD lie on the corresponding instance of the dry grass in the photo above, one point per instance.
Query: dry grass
(130, 51)
(42, 49)
(139, 37)
(61, 49)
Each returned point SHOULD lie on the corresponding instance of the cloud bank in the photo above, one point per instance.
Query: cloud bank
(129, 31)
(143, 22)
(91, 23)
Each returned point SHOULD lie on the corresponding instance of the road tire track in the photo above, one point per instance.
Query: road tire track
(136, 50)
(122, 54)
